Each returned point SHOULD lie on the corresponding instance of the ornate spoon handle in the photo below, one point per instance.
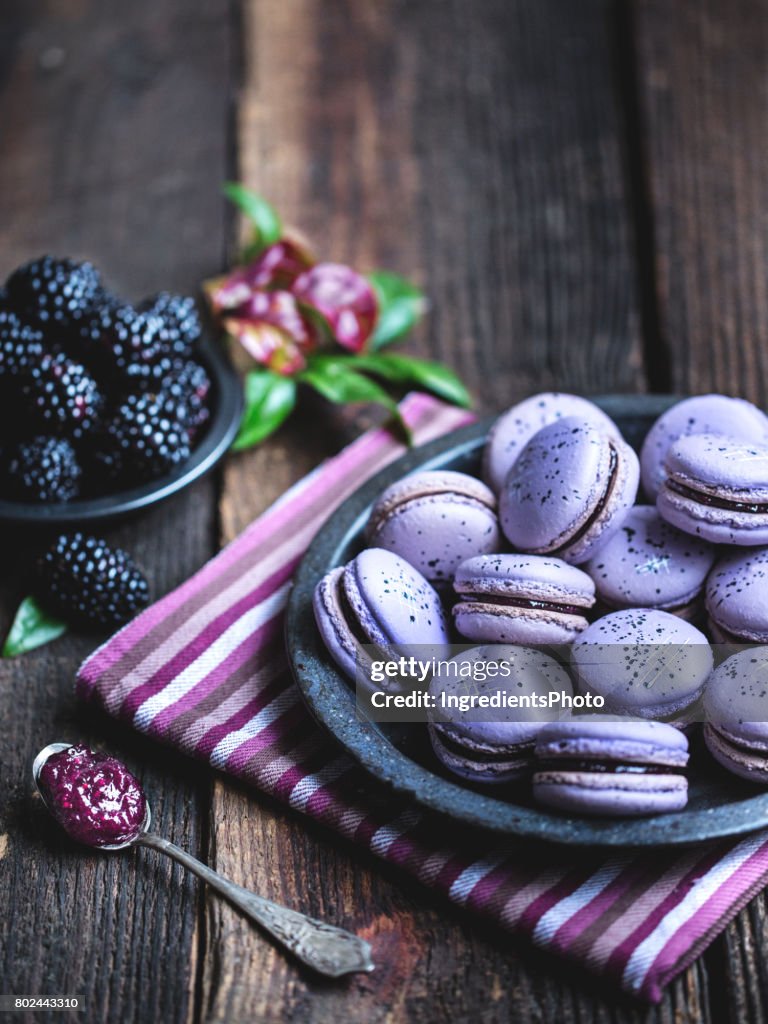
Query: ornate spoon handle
(331, 951)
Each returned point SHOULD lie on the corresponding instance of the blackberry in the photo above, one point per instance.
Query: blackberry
(21, 345)
(56, 291)
(149, 438)
(44, 469)
(180, 317)
(89, 583)
(125, 339)
(61, 394)
(187, 382)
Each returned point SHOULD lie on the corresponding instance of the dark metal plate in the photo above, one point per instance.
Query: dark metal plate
(400, 755)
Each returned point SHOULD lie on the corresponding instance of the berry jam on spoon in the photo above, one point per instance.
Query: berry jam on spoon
(99, 803)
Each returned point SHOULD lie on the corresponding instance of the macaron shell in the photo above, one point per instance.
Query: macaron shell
(648, 563)
(489, 623)
(526, 576)
(514, 429)
(550, 502)
(429, 483)
(752, 766)
(437, 533)
(611, 795)
(614, 739)
(393, 601)
(736, 697)
(737, 594)
(532, 673)
(702, 414)
(643, 662)
(332, 625)
(724, 465)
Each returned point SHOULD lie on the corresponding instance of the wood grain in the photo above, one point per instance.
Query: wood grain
(704, 103)
(704, 100)
(114, 125)
(480, 155)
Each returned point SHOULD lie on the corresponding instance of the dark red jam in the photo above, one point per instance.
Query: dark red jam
(93, 796)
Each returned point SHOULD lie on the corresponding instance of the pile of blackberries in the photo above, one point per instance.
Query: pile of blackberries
(96, 395)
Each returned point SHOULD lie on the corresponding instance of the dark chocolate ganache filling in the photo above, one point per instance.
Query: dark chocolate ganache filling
(481, 756)
(712, 500)
(93, 796)
(598, 509)
(521, 602)
(567, 764)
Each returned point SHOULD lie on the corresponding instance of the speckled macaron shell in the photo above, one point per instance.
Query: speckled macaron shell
(648, 563)
(702, 414)
(716, 468)
(392, 601)
(643, 662)
(568, 491)
(625, 743)
(435, 520)
(737, 596)
(514, 429)
(336, 631)
(499, 750)
(551, 599)
(736, 712)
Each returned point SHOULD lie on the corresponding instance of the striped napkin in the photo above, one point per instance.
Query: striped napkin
(204, 670)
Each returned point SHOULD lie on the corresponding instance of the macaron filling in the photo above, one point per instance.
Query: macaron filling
(481, 753)
(508, 601)
(599, 508)
(715, 500)
(606, 767)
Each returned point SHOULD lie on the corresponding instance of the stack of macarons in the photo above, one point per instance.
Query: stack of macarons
(572, 539)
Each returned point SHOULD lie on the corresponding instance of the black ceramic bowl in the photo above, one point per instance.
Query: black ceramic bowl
(226, 404)
(401, 756)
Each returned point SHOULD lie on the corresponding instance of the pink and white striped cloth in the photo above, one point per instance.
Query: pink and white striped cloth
(204, 670)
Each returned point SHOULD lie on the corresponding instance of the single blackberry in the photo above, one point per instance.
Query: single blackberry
(181, 319)
(21, 344)
(188, 382)
(149, 438)
(89, 583)
(44, 469)
(61, 394)
(125, 339)
(55, 291)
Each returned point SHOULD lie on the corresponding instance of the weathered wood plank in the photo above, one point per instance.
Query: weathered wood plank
(477, 149)
(114, 126)
(704, 103)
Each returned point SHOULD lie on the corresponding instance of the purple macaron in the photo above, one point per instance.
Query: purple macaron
(717, 489)
(569, 490)
(737, 597)
(377, 598)
(649, 564)
(736, 711)
(435, 520)
(489, 744)
(643, 662)
(514, 429)
(521, 599)
(703, 414)
(595, 764)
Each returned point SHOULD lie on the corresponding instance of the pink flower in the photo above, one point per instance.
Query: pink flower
(273, 331)
(344, 298)
(277, 267)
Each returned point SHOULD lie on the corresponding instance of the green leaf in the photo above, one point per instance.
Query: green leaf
(267, 226)
(31, 628)
(402, 369)
(269, 400)
(338, 381)
(401, 304)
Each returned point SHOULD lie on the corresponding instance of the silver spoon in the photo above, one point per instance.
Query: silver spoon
(326, 949)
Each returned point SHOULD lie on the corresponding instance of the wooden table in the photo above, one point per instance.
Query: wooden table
(580, 186)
